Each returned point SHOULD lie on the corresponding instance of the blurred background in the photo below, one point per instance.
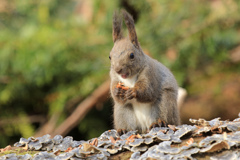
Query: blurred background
(54, 66)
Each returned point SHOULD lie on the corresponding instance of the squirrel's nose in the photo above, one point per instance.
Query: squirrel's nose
(119, 70)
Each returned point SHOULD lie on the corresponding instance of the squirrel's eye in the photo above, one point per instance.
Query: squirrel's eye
(131, 56)
(110, 57)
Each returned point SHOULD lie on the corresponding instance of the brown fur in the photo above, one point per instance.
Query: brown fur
(117, 26)
(154, 84)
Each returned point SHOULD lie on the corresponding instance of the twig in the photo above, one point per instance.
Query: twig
(235, 55)
(99, 95)
(49, 126)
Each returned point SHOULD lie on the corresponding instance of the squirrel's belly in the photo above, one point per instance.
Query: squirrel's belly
(143, 114)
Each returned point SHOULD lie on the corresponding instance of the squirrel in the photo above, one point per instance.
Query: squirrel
(149, 98)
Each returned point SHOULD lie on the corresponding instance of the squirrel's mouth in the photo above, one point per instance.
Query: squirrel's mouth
(124, 76)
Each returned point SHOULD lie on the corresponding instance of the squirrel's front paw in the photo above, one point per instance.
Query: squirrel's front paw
(118, 92)
(130, 93)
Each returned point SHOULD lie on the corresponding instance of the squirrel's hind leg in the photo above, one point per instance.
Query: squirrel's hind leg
(121, 132)
(124, 118)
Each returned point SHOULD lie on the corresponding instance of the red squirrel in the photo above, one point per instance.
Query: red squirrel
(144, 90)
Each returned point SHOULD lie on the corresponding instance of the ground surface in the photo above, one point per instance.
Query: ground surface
(215, 139)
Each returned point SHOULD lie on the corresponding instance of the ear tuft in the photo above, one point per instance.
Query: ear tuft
(117, 27)
(131, 28)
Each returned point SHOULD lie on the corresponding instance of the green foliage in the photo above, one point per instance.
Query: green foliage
(50, 53)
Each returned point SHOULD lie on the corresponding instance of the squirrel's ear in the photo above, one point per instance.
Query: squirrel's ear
(117, 27)
(131, 28)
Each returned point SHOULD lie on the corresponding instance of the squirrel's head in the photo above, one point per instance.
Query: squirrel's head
(126, 56)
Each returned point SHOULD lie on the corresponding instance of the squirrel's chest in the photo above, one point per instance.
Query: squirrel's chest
(129, 82)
